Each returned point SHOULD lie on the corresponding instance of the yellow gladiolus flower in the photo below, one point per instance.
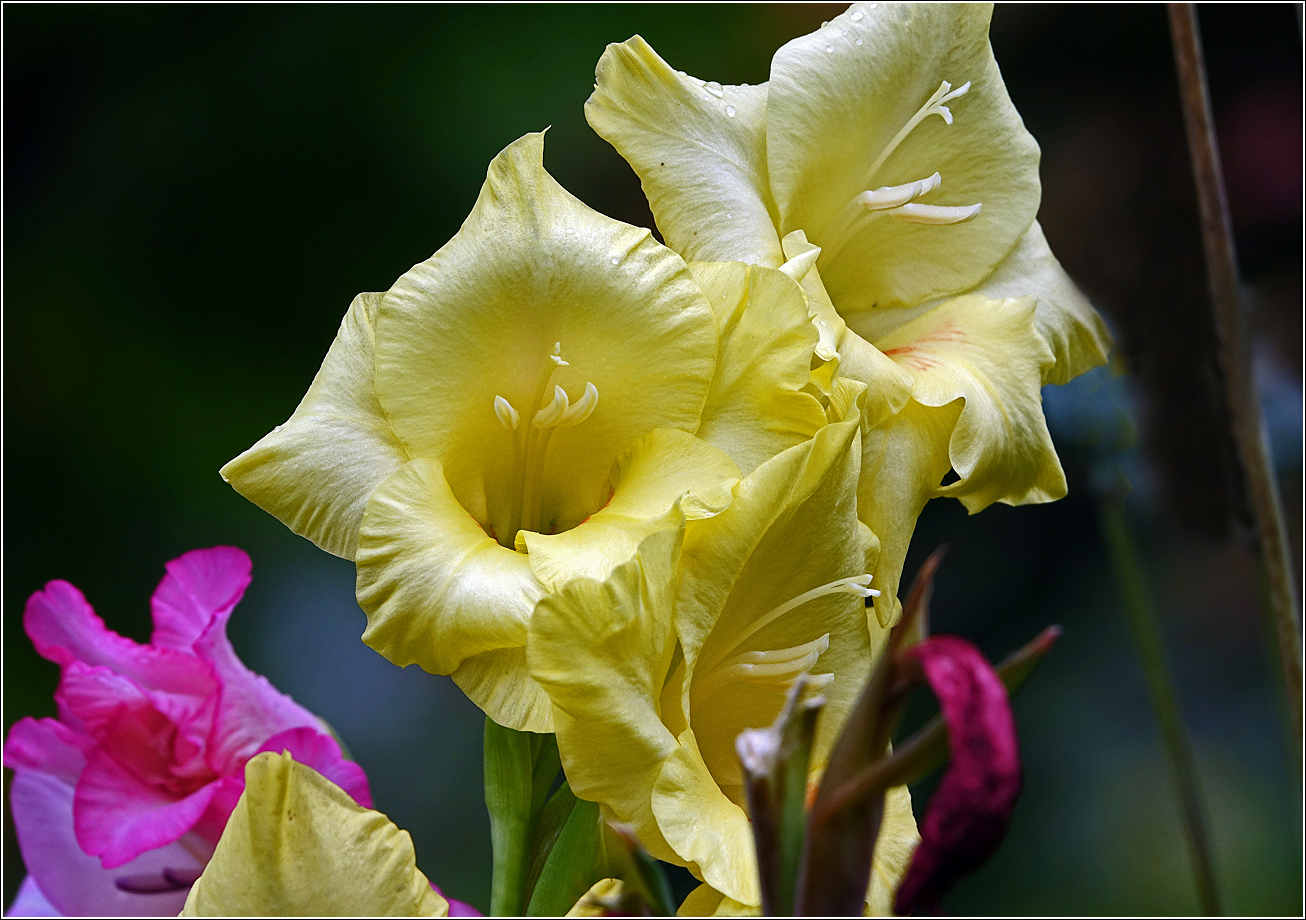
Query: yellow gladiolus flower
(521, 409)
(298, 846)
(656, 670)
(884, 166)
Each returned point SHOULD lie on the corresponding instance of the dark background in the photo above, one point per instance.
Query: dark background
(194, 194)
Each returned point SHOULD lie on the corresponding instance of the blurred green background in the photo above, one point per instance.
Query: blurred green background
(194, 194)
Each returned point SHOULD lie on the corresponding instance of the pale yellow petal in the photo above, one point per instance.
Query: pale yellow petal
(756, 407)
(602, 651)
(791, 528)
(298, 846)
(839, 101)
(500, 683)
(1064, 317)
(648, 482)
(592, 902)
(903, 462)
(989, 354)
(537, 291)
(893, 849)
(436, 589)
(706, 901)
(707, 830)
(315, 472)
(699, 150)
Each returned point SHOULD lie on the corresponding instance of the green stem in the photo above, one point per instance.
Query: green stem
(509, 799)
(1144, 624)
(1246, 419)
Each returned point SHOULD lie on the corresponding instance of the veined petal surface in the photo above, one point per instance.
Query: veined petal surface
(844, 116)
(297, 845)
(315, 472)
(699, 150)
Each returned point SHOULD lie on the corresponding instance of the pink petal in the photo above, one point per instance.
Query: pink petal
(968, 814)
(65, 629)
(73, 882)
(200, 586)
(47, 746)
(249, 709)
(31, 903)
(118, 816)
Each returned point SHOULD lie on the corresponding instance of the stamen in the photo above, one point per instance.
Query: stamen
(892, 196)
(556, 357)
(933, 106)
(774, 669)
(550, 414)
(582, 409)
(508, 416)
(936, 214)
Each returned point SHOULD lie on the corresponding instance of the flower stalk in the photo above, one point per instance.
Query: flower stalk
(1248, 423)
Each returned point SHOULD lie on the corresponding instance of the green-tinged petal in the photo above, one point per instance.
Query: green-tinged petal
(648, 482)
(594, 903)
(500, 683)
(1064, 317)
(602, 651)
(707, 830)
(537, 291)
(888, 387)
(893, 848)
(903, 462)
(756, 407)
(298, 846)
(844, 116)
(436, 589)
(706, 901)
(315, 472)
(790, 531)
(699, 150)
(988, 353)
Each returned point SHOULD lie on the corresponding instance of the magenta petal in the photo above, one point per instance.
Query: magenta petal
(71, 880)
(30, 902)
(117, 816)
(200, 586)
(47, 746)
(968, 814)
(65, 629)
(249, 709)
(320, 751)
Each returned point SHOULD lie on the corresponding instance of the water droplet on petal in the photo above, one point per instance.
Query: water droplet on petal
(824, 24)
(571, 230)
(829, 49)
(730, 111)
(615, 260)
(715, 88)
(859, 41)
(729, 216)
(857, 16)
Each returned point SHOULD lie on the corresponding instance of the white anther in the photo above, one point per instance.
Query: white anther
(556, 357)
(508, 417)
(959, 91)
(798, 267)
(892, 196)
(582, 408)
(936, 214)
(549, 415)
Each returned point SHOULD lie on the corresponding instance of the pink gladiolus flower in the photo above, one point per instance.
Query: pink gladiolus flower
(968, 814)
(119, 802)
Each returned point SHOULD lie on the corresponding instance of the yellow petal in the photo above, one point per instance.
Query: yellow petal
(298, 846)
(591, 903)
(706, 901)
(1064, 317)
(648, 482)
(699, 151)
(893, 849)
(602, 651)
(316, 471)
(791, 528)
(707, 830)
(756, 407)
(436, 589)
(839, 101)
(500, 683)
(903, 462)
(537, 292)
(988, 353)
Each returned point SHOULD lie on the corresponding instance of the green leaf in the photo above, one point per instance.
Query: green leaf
(576, 858)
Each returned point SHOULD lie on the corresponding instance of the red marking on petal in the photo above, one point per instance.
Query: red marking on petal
(968, 814)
